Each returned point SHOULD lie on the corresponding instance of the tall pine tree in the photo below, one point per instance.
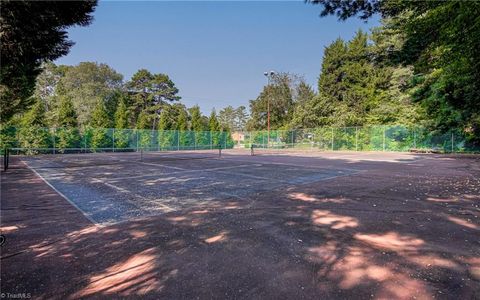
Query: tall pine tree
(100, 137)
(214, 128)
(67, 117)
(34, 135)
(182, 127)
(67, 135)
(198, 125)
(144, 130)
(166, 125)
(121, 123)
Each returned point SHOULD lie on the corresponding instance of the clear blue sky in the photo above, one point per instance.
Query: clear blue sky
(215, 52)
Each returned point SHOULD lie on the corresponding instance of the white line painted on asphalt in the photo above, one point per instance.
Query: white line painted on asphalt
(61, 194)
(186, 171)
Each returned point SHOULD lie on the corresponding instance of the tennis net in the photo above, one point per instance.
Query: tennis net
(78, 158)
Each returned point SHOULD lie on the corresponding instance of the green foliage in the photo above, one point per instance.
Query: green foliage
(122, 135)
(241, 118)
(229, 143)
(33, 133)
(233, 119)
(121, 115)
(45, 90)
(226, 117)
(67, 116)
(33, 32)
(198, 125)
(196, 119)
(302, 115)
(166, 124)
(35, 116)
(213, 124)
(168, 118)
(143, 121)
(182, 127)
(356, 90)
(88, 84)
(441, 39)
(182, 120)
(214, 128)
(150, 92)
(101, 137)
(276, 97)
(348, 81)
(67, 137)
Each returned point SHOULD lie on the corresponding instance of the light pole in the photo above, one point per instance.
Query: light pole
(269, 76)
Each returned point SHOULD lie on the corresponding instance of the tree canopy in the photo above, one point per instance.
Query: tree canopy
(87, 84)
(33, 32)
(149, 92)
(420, 67)
(441, 41)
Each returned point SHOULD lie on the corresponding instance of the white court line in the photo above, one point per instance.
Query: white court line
(122, 190)
(290, 183)
(185, 171)
(298, 166)
(157, 165)
(252, 176)
(344, 157)
(61, 194)
(236, 196)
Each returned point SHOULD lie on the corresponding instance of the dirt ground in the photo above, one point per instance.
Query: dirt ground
(299, 226)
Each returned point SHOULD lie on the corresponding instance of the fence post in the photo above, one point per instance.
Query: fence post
(414, 139)
(452, 143)
(292, 133)
(113, 139)
(384, 138)
(210, 133)
(85, 141)
(194, 141)
(54, 138)
(136, 133)
(332, 138)
(356, 138)
(178, 140)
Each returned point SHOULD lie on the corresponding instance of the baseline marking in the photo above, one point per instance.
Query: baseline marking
(61, 194)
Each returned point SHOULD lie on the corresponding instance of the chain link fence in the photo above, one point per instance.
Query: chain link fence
(369, 138)
(37, 140)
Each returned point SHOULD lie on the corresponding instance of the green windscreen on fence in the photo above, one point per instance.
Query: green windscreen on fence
(51, 140)
(368, 138)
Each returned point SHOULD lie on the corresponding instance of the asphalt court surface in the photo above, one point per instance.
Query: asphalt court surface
(109, 194)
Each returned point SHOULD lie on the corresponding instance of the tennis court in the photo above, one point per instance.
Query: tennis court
(115, 187)
(211, 224)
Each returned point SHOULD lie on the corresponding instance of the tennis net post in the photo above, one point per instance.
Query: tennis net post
(5, 158)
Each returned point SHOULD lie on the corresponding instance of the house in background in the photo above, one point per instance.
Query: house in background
(238, 137)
